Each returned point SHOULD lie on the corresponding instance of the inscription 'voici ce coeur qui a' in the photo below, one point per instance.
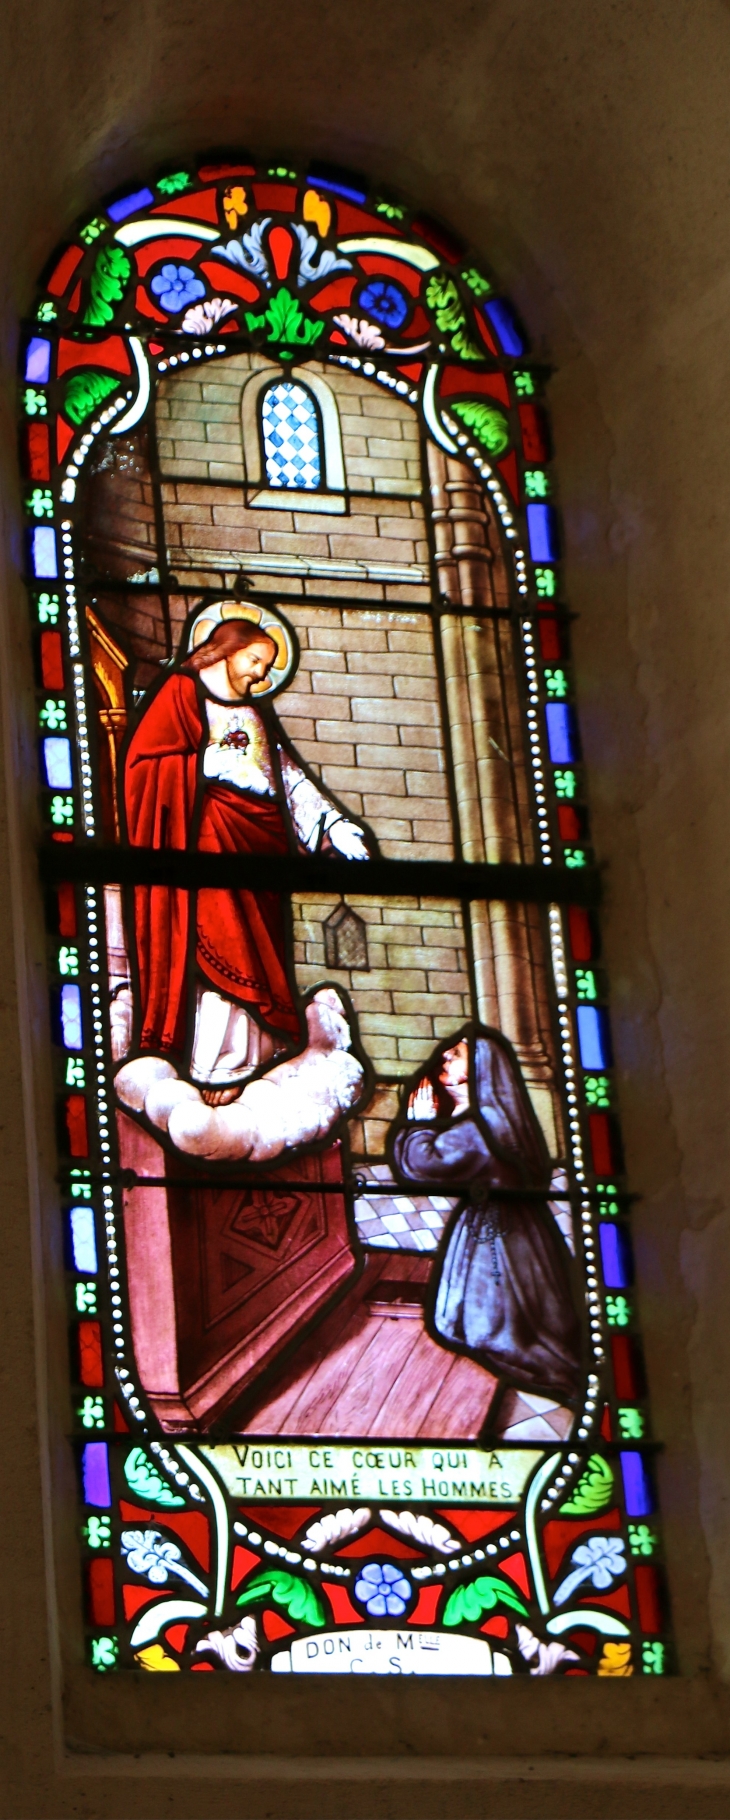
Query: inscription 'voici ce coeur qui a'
(419, 1474)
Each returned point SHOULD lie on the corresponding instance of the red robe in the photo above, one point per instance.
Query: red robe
(239, 935)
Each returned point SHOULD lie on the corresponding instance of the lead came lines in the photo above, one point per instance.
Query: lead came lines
(107, 1190)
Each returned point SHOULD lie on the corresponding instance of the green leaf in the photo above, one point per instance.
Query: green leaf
(283, 317)
(479, 285)
(285, 322)
(172, 185)
(593, 1491)
(106, 285)
(84, 391)
(468, 1602)
(486, 423)
(443, 298)
(92, 230)
(298, 1599)
(141, 1474)
(462, 345)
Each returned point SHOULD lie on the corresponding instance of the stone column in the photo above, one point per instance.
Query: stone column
(490, 767)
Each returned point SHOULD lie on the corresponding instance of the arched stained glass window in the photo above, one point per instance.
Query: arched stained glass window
(291, 436)
(356, 1369)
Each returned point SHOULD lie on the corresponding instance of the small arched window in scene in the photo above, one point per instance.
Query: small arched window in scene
(292, 440)
(291, 436)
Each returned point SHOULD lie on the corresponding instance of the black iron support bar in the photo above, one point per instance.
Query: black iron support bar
(374, 878)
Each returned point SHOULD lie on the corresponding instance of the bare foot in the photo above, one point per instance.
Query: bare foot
(219, 1096)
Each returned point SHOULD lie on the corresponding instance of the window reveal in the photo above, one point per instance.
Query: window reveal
(330, 1022)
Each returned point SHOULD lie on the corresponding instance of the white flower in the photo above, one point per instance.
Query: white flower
(149, 1554)
(237, 1647)
(363, 333)
(543, 1656)
(199, 320)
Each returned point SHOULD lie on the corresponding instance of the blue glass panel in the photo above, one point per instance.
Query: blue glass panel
(140, 200)
(71, 1025)
(38, 360)
(562, 733)
(83, 1240)
(95, 1471)
(543, 533)
(57, 763)
(339, 183)
(43, 552)
(637, 1485)
(594, 1037)
(616, 1259)
(291, 437)
(502, 318)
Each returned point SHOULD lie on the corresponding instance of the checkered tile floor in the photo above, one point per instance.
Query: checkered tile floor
(291, 437)
(395, 1221)
(523, 1416)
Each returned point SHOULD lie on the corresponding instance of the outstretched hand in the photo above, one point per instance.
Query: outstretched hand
(347, 839)
(422, 1102)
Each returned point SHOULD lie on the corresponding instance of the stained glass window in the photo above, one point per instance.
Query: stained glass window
(356, 1370)
(291, 436)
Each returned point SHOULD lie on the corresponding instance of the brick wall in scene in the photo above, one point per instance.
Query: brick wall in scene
(199, 426)
(200, 438)
(415, 993)
(363, 711)
(211, 534)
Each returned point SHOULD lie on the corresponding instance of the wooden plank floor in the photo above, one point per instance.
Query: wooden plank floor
(371, 1373)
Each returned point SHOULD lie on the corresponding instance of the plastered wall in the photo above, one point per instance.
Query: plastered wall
(584, 148)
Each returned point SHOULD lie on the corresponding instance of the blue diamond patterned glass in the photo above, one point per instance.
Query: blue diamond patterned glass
(291, 437)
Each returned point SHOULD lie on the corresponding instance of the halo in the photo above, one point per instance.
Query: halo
(216, 612)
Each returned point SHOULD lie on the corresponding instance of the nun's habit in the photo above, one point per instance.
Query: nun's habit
(504, 1290)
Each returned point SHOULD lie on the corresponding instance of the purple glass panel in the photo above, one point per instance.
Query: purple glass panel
(95, 1471)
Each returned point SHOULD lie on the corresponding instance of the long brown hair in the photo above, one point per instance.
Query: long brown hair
(232, 635)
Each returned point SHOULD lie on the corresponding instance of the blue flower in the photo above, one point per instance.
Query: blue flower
(383, 1590)
(384, 302)
(176, 286)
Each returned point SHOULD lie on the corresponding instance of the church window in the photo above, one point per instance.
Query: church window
(356, 1368)
(291, 436)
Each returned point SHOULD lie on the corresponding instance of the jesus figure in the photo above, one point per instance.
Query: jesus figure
(208, 769)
